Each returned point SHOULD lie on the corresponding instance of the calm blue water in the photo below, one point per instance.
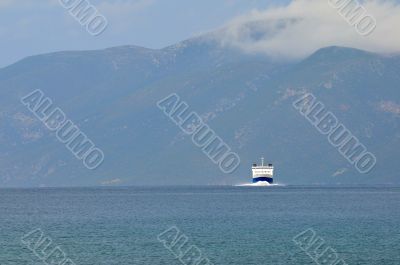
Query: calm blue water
(230, 225)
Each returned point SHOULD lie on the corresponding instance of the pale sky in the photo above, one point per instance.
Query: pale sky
(30, 27)
(283, 28)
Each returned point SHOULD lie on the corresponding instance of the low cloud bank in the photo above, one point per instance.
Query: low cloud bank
(304, 26)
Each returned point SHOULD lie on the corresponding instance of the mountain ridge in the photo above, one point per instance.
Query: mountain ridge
(111, 95)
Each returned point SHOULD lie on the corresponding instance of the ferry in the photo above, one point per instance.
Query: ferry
(263, 174)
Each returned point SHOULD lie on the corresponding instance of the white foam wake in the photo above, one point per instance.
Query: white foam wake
(259, 184)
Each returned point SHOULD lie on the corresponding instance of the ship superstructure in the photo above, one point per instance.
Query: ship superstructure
(263, 173)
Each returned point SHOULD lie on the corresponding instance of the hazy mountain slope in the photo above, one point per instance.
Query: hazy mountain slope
(354, 88)
(247, 99)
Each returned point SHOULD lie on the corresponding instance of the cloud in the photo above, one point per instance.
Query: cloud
(304, 26)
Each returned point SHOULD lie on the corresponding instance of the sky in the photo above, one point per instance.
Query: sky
(30, 27)
(296, 30)
(284, 28)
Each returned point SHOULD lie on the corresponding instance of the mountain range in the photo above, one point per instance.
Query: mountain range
(246, 99)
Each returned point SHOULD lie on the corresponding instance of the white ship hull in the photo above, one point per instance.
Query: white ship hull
(263, 173)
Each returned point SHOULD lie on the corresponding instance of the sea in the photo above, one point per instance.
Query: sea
(201, 225)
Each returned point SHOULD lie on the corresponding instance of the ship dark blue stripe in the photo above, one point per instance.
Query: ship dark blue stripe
(269, 180)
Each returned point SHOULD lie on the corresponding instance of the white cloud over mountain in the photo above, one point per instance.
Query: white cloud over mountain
(303, 26)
